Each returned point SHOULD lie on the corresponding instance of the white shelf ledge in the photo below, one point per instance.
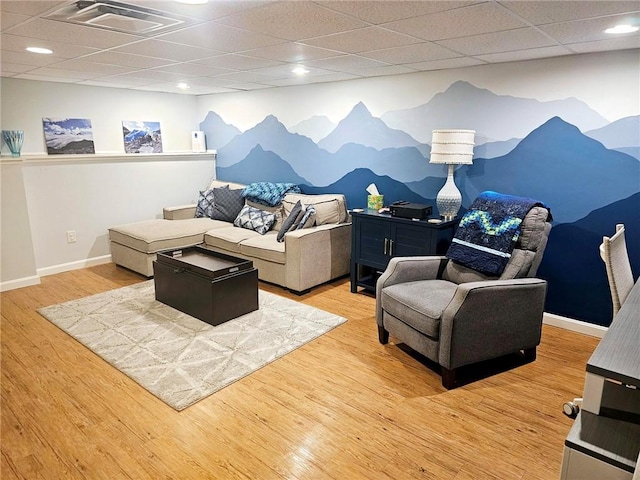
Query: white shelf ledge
(108, 158)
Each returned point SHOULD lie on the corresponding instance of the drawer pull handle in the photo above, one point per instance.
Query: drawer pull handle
(386, 246)
(234, 269)
(178, 270)
(391, 248)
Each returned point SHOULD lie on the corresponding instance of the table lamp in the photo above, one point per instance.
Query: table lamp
(452, 147)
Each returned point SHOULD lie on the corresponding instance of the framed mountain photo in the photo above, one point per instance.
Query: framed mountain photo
(142, 137)
(68, 136)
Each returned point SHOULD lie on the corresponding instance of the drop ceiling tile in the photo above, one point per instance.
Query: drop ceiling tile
(283, 71)
(470, 20)
(92, 67)
(126, 59)
(237, 62)
(378, 12)
(101, 83)
(61, 73)
(362, 40)
(44, 78)
(72, 34)
(520, 39)
(346, 63)
(244, 87)
(8, 20)
(205, 12)
(63, 50)
(458, 62)
(421, 52)
(586, 30)
(9, 69)
(528, 54)
(193, 69)
(28, 58)
(291, 52)
(382, 71)
(211, 82)
(543, 12)
(168, 50)
(286, 82)
(155, 76)
(247, 77)
(216, 36)
(293, 20)
(126, 80)
(29, 7)
(623, 43)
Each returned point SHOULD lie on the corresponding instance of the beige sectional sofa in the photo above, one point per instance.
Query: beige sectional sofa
(307, 257)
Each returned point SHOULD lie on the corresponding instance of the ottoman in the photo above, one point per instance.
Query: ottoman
(134, 245)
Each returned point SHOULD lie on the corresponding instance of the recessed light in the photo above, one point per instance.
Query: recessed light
(45, 51)
(621, 29)
(300, 70)
(183, 86)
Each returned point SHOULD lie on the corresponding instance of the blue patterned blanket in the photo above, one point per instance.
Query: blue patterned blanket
(488, 232)
(267, 193)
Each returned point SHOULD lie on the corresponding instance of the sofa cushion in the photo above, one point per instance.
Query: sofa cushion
(156, 235)
(254, 219)
(227, 204)
(228, 238)
(419, 304)
(291, 222)
(330, 208)
(265, 247)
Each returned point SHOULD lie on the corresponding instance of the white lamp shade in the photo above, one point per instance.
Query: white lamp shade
(452, 146)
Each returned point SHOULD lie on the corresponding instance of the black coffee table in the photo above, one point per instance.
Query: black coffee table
(207, 285)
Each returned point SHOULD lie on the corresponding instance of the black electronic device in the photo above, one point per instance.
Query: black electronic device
(405, 209)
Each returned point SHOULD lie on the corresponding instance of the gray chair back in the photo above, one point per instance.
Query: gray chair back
(525, 258)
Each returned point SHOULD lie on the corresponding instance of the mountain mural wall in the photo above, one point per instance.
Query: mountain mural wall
(561, 152)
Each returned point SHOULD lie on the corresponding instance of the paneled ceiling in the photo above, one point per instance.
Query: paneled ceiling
(226, 46)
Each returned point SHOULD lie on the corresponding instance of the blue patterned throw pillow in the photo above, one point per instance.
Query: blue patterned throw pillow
(308, 219)
(204, 208)
(255, 219)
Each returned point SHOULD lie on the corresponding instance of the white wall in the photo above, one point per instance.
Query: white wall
(25, 103)
(45, 196)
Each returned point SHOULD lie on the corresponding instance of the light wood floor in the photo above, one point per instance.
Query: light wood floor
(341, 407)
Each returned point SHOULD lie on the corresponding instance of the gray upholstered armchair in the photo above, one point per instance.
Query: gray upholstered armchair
(456, 316)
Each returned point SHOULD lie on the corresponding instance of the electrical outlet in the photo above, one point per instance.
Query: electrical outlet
(71, 236)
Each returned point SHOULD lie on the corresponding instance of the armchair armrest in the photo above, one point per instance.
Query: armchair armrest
(181, 212)
(491, 318)
(408, 269)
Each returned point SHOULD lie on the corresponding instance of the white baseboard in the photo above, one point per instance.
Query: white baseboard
(19, 283)
(574, 325)
(66, 267)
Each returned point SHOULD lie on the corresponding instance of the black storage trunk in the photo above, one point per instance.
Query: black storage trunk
(207, 285)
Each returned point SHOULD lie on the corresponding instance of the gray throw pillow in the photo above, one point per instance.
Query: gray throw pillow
(255, 219)
(291, 221)
(227, 205)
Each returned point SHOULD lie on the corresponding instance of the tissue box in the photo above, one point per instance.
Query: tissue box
(375, 202)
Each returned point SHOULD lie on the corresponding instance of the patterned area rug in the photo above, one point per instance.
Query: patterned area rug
(178, 358)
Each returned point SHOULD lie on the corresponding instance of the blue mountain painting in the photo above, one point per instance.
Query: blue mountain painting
(578, 286)
(588, 179)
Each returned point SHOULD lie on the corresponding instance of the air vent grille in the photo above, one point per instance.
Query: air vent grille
(117, 16)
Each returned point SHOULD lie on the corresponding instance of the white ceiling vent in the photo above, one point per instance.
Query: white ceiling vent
(118, 16)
